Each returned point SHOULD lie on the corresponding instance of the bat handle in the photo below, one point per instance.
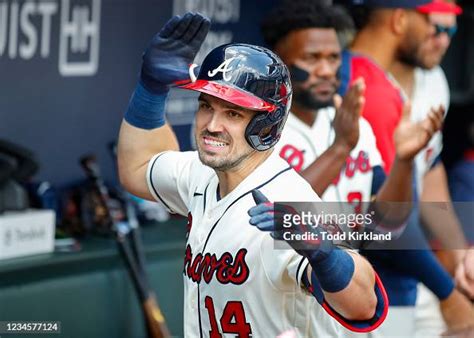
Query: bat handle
(137, 247)
(156, 322)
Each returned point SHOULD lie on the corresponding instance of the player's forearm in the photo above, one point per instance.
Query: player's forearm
(443, 224)
(143, 133)
(322, 172)
(398, 185)
(397, 190)
(165, 63)
(136, 146)
(437, 212)
(358, 300)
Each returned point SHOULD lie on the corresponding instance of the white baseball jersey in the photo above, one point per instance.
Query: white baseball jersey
(235, 282)
(301, 145)
(430, 90)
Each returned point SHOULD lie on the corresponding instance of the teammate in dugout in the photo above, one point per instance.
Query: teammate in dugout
(236, 283)
(335, 149)
(404, 27)
(424, 82)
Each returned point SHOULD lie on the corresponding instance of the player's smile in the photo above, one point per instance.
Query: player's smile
(213, 144)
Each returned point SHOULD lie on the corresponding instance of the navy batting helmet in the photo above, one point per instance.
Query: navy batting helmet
(251, 77)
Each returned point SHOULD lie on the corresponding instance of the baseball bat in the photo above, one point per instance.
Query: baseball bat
(151, 309)
(135, 232)
(154, 319)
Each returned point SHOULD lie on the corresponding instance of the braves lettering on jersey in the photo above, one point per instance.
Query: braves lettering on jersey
(383, 101)
(301, 145)
(430, 91)
(235, 282)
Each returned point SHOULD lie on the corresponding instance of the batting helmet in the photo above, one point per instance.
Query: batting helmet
(251, 77)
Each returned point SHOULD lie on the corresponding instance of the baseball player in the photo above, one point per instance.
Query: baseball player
(236, 283)
(425, 84)
(400, 270)
(342, 142)
(305, 36)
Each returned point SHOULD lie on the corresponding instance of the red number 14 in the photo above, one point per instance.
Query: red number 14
(232, 320)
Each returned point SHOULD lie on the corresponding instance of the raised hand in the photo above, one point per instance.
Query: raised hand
(411, 137)
(277, 219)
(348, 112)
(168, 56)
(334, 268)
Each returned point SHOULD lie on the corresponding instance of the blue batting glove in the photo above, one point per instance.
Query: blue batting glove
(167, 59)
(270, 217)
(166, 62)
(332, 268)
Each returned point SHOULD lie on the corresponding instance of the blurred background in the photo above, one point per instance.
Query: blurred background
(67, 70)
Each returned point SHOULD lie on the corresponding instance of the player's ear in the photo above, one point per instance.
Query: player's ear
(399, 21)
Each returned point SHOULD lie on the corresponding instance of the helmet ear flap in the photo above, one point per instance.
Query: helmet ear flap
(263, 131)
(253, 130)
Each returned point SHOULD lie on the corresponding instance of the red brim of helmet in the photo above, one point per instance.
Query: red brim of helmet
(440, 6)
(230, 94)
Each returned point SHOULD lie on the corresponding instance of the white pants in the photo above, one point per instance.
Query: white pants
(423, 321)
(428, 319)
(400, 322)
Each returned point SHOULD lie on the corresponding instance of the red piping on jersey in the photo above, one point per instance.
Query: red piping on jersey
(370, 328)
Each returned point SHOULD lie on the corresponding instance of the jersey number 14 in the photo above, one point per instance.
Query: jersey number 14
(232, 320)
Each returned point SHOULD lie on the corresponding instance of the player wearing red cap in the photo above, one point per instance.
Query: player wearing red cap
(426, 86)
(394, 30)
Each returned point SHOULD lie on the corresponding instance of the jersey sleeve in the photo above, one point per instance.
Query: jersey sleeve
(432, 91)
(378, 179)
(362, 326)
(170, 178)
(436, 142)
(283, 266)
(375, 159)
(444, 93)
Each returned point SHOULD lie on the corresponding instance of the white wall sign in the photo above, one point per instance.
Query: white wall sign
(26, 33)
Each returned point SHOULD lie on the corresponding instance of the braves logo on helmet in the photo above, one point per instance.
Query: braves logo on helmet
(224, 68)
